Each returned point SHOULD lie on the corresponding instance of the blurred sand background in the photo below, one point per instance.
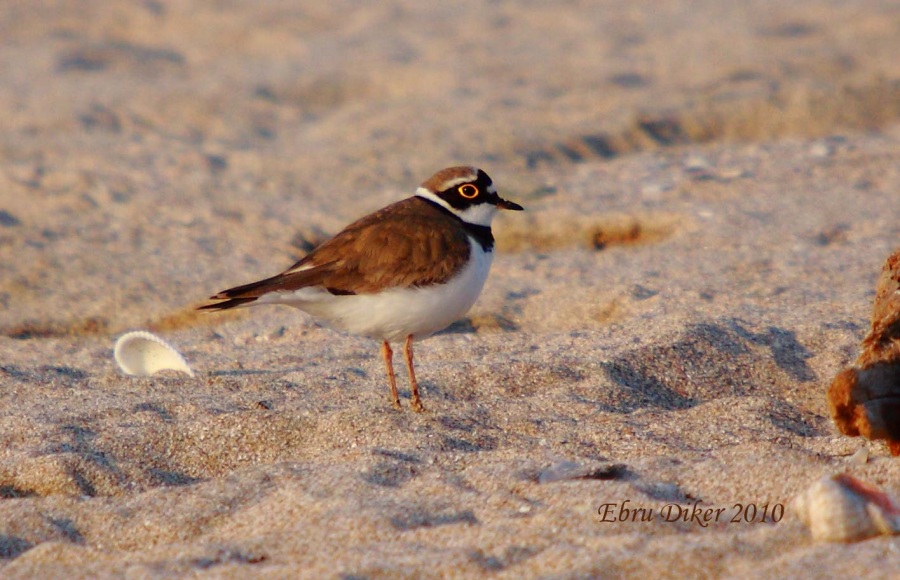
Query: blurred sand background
(712, 188)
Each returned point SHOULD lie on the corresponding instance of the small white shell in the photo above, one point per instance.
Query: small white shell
(844, 509)
(141, 354)
(860, 457)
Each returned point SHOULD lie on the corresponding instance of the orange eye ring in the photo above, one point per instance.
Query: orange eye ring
(468, 191)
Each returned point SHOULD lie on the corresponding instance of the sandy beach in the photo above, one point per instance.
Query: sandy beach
(710, 191)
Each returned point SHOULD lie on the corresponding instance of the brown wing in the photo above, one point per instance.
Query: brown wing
(407, 244)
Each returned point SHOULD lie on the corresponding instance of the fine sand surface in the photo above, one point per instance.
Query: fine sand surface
(711, 191)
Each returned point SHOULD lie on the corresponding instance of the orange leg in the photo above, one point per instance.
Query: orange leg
(415, 402)
(388, 356)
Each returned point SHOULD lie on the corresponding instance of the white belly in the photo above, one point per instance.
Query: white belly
(396, 313)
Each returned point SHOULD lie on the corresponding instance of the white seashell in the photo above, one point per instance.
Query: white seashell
(844, 509)
(141, 354)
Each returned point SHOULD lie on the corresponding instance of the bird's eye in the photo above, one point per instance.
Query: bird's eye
(468, 191)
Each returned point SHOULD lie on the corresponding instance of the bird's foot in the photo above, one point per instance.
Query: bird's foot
(417, 406)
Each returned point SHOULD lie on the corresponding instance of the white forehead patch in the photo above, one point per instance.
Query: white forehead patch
(457, 181)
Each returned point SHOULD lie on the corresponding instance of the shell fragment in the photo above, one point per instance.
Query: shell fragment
(844, 509)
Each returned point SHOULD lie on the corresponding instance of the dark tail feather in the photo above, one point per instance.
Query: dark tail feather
(285, 282)
(252, 290)
(233, 303)
(240, 295)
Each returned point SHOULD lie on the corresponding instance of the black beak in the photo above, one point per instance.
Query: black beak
(506, 204)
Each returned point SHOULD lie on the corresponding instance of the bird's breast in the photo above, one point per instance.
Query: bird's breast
(394, 313)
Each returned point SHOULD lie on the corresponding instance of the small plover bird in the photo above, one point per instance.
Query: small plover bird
(401, 273)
